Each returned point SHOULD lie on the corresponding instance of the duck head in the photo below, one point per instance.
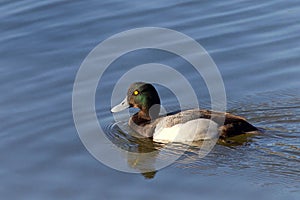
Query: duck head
(143, 96)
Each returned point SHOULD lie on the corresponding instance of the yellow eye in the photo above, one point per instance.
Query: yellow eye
(136, 92)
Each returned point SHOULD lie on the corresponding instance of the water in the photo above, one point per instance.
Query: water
(255, 45)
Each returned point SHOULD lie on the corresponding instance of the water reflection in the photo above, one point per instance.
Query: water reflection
(132, 142)
(137, 148)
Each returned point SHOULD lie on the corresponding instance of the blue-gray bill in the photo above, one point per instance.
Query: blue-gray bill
(122, 106)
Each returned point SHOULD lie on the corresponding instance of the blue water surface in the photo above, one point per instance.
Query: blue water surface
(255, 44)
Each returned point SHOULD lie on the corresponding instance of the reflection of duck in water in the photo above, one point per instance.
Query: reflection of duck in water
(195, 124)
(144, 157)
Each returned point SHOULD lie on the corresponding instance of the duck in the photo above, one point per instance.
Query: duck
(184, 126)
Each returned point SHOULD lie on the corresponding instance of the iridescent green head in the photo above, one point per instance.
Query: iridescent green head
(143, 96)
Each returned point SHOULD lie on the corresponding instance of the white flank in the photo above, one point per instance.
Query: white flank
(194, 130)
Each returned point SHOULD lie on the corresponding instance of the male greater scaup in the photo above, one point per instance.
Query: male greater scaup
(184, 126)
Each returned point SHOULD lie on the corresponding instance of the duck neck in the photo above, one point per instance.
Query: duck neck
(144, 116)
(140, 118)
(147, 115)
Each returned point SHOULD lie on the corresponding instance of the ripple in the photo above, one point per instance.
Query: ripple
(254, 44)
